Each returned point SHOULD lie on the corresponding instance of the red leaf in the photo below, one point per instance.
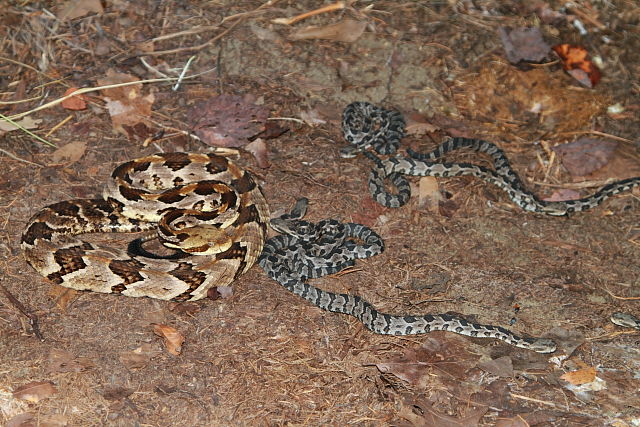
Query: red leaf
(575, 60)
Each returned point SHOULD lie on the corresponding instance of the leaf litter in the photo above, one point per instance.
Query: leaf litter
(227, 120)
(321, 374)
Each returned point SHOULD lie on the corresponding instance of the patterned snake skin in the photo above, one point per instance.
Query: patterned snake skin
(204, 205)
(308, 250)
(365, 125)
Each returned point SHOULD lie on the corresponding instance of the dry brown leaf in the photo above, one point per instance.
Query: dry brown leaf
(116, 392)
(585, 155)
(429, 195)
(516, 421)
(22, 420)
(138, 358)
(172, 338)
(63, 361)
(35, 391)
(581, 376)
(312, 117)
(501, 367)
(347, 30)
(440, 353)
(63, 296)
(418, 125)
(70, 153)
(259, 150)
(77, 8)
(368, 212)
(126, 105)
(26, 122)
(524, 44)
(421, 412)
(75, 103)
(562, 195)
(227, 120)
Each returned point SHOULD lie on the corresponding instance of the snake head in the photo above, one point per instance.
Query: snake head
(203, 239)
(542, 345)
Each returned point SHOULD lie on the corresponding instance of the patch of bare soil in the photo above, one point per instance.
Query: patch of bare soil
(259, 355)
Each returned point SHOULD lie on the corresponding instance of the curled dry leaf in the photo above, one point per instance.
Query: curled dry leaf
(312, 117)
(347, 30)
(172, 338)
(259, 150)
(35, 391)
(75, 103)
(70, 153)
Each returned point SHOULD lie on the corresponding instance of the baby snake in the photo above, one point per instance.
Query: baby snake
(306, 250)
(365, 125)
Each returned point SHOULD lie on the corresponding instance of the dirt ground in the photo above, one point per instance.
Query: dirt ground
(263, 356)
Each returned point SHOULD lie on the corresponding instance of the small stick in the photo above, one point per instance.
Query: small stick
(14, 157)
(89, 89)
(25, 130)
(184, 71)
(339, 5)
(595, 132)
(33, 319)
(531, 399)
(614, 296)
(59, 125)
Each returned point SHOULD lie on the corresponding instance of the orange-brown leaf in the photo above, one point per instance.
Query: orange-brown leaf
(74, 103)
(575, 60)
(35, 391)
(172, 338)
(581, 376)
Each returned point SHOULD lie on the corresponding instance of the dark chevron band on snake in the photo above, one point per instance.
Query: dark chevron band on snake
(365, 125)
(308, 250)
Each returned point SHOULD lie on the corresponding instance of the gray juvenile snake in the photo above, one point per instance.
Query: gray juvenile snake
(307, 250)
(365, 125)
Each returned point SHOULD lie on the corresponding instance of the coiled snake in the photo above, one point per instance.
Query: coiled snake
(306, 250)
(202, 204)
(365, 125)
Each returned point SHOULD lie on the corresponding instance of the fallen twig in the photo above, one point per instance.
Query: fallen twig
(339, 5)
(33, 319)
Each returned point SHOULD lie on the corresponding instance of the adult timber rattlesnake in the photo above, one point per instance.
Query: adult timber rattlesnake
(202, 204)
(365, 125)
(306, 250)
